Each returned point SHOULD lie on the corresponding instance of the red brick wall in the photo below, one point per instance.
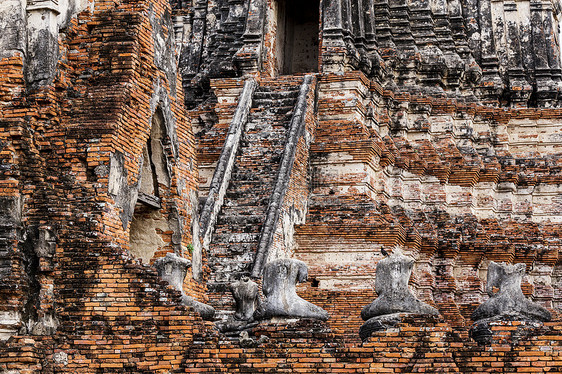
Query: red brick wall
(112, 313)
(115, 315)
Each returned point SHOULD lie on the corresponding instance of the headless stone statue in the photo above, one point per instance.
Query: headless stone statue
(394, 296)
(279, 286)
(507, 304)
(173, 270)
(509, 301)
(245, 293)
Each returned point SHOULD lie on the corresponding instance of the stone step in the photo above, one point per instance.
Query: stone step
(249, 198)
(241, 177)
(264, 93)
(223, 234)
(244, 200)
(227, 230)
(5, 245)
(233, 263)
(256, 141)
(239, 237)
(243, 182)
(278, 104)
(245, 220)
(241, 212)
(225, 249)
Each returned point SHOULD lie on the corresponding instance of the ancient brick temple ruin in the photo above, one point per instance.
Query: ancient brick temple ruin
(281, 186)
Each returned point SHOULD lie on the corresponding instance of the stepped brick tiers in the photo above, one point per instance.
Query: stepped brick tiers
(323, 186)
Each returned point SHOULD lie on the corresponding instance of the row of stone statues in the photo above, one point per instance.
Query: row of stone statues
(394, 296)
(394, 299)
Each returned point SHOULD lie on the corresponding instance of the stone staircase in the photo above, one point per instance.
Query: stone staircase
(239, 223)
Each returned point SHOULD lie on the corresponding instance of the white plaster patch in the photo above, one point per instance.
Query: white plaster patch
(144, 237)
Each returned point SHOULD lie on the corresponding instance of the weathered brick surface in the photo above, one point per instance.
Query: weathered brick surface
(368, 191)
(454, 182)
(110, 313)
(418, 344)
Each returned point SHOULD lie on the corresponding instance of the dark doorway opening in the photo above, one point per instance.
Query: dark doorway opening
(298, 33)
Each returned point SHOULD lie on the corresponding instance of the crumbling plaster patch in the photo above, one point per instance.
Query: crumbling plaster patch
(145, 234)
(13, 32)
(164, 46)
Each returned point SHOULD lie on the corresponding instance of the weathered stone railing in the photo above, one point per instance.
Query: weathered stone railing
(296, 132)
(223, 171)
